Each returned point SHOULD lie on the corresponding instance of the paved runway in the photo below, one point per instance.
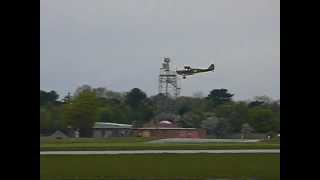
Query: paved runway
(191, 140)
(242, 151)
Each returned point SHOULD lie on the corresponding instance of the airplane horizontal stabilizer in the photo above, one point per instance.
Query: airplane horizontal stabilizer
(211, 67)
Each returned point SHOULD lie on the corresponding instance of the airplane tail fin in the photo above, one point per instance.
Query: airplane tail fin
(211, 67)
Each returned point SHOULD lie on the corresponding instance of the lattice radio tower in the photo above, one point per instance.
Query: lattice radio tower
(168, 80)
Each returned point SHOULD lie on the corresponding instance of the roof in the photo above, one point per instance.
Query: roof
(106, 125)
(160, 128)
(59, 133)
(165, 122)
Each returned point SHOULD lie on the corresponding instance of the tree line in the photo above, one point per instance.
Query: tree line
(217, 112)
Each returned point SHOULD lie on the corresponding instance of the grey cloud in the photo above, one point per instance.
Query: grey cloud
(119, 44)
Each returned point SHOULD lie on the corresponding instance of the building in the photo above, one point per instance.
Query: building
(58, 135)
(153, 129)
(168, 129)
(162, 133)
(106, 129)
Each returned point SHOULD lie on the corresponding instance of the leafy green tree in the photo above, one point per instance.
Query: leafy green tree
(140, 107)
(46, 123)
(67, 98)
(140, 115)
(246, 129)
(236, 114)
(135, 98)
(191, 119)
(276, 124)
(88, 105)
(115, 114)
(81, 88)
(184, 109)
(136, 107)
(210, 124)
(105, 114)
(186, 104)
(57, 119)
(121, 114)
(256, 103)
(275, 107)
(223, 128)
(261, 101)
(264, 99)
(108, 94)
(82, 112)
(162, 103)
(48, 97)
(216, 126)
(263, 120)
(219, 96)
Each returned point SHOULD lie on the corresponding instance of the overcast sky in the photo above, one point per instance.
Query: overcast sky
(120, 44)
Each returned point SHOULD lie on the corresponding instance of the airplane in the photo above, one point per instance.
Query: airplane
(190, 71)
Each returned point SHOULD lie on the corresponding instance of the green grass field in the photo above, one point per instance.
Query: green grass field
(133, 143)
(161, 166)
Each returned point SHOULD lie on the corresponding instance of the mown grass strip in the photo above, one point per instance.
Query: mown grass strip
(143, 146)
(161, 166)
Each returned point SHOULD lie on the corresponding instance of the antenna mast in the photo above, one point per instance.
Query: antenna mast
(168, 80)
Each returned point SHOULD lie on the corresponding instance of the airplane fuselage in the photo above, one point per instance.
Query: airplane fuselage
(190, 71)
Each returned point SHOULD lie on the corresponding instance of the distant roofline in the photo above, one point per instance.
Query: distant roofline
(112, 127)
(166, 128)
(129, 126)
(165, 122)
(109, 123)
(115, 125)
